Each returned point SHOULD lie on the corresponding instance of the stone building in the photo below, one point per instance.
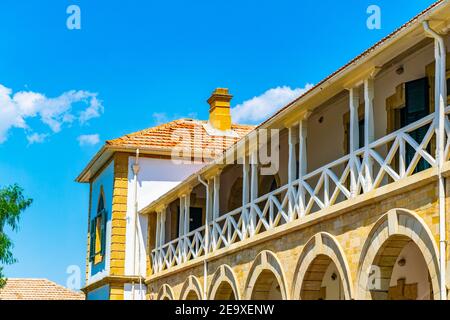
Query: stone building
(342, 194)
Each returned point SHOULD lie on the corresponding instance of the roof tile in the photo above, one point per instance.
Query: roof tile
(37, 289)
(183, 135)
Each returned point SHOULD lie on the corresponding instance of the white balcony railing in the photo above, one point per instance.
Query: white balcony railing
(393, 157)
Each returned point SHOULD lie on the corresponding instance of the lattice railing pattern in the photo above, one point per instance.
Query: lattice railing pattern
(393, 157)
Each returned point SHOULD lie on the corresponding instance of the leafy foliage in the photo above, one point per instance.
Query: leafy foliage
(12, 203)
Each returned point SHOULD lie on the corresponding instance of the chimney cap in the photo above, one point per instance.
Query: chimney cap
(220, 94)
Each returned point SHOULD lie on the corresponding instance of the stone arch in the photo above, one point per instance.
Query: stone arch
(191, 290)
(224, 277)
(165, 293)
(399, 225)
(266, 263)
(323, 249)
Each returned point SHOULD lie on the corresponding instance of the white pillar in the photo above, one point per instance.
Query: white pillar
(303, 159)
(158, 229)
(354, 139)
(368, 128)
(187, 213)
(209, 200)
(440, 53)
(253, 190)
(216, 202)
(292, 168)
(292, 165)
(216, 207)
(162, 229)
(302, 162)
(245, 194)
(181, 217)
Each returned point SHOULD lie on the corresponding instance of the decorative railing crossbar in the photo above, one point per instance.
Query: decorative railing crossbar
(389, 159)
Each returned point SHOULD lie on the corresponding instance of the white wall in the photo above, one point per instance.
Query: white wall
(414, 271)
(334, 288)
(156, 177)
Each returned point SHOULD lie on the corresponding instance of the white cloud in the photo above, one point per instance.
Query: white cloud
(88, 139)
(160, 118)
(265, 105)
(163, 117)
(36, 138)
(71, 106)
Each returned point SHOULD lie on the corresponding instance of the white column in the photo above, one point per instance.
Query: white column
(181, 218)
(158, 229)
(216, 202)
(245, 194)
(162, 229)
(440, 53)
(216, 206)
(187, 213)
(253, 190)
(292, 168)
(302, 162)
(292, 164)
(368, 129)
(354, 139)
(303, 159)
(210, 199)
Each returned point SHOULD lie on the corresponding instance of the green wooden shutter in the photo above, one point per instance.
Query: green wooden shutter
(92, 240)
(103, 231)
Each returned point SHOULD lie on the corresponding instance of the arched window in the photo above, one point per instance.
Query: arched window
(98, 231)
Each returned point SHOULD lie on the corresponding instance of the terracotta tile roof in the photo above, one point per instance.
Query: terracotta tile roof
(182, 134)
(37, 289)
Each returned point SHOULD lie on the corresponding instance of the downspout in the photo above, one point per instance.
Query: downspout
(440, 105)
(135, 217)
(205, 261)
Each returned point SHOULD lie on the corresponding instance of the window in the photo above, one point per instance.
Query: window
(416, 108)
(98, 232)
(410, 103)
(195, 218)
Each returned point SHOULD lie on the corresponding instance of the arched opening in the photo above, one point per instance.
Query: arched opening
(400, 272)
(191, 289)
(266, 287)
(322, 281)
(223, 285)
(192, 295)
(165, 293)
(225, 292)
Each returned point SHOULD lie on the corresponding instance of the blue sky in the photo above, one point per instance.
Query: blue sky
(134, 64)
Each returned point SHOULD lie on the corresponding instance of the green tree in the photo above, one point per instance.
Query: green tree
(12, 203)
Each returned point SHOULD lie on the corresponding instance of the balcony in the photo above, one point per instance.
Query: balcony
(389, 159)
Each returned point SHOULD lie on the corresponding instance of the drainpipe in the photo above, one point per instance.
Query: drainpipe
(205, 261)
(440, 104)
(135, 225)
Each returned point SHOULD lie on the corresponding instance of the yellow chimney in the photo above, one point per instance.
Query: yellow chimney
(219, 111)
